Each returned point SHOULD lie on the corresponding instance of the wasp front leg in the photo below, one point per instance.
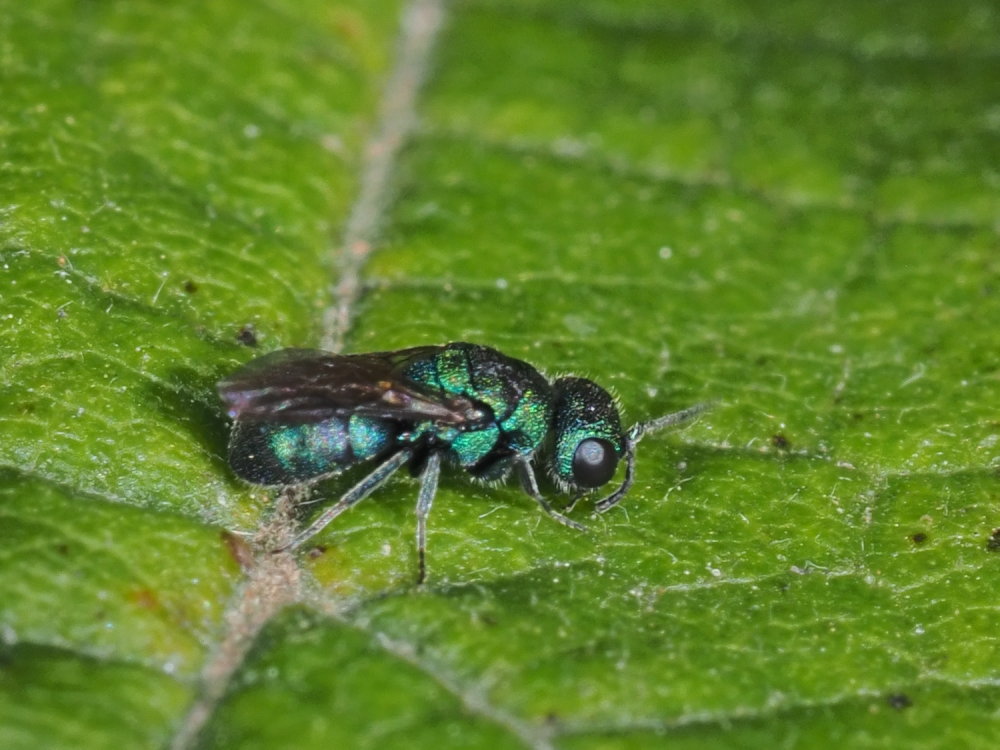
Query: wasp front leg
(530, 485)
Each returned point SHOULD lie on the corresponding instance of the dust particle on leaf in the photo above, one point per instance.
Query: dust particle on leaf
(484, 618)
(919, 538)
(993, 543)
(780, 442)
(898, 701)
(247, 336)
(145, 598)
(238, 549)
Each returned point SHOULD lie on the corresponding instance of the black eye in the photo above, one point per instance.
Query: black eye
(594, 462)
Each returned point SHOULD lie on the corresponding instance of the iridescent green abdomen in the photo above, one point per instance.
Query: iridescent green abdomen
(287, 454)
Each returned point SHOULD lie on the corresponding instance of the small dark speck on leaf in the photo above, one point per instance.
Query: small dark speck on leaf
(993, 543)
(898, 701)
(318, 551)
(190, 287)
(145, 599)
(238, 549)
(919, 538)
(247, 336)
(487, 619)
(780, 442)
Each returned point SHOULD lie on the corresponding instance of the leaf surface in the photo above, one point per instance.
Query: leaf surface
(787, 210)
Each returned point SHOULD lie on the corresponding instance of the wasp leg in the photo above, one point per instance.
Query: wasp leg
(352, 497)
(572, 502)
(530, 485)
(428, 488)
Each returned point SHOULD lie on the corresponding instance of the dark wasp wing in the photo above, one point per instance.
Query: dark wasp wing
(303, 386)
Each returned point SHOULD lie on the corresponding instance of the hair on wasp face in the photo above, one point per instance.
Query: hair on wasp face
(302, 415)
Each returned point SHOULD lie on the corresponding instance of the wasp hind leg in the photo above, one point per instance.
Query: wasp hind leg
(352, 497)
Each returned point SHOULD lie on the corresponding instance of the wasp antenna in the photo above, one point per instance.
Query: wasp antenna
(637, 431)
(633, 436)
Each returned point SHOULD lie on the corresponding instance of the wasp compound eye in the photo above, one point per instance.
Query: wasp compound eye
(594, 462)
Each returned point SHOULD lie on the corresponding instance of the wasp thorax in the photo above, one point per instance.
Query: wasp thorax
(588, 433)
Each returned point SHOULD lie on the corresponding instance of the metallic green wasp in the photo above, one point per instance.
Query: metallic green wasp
(303, 415)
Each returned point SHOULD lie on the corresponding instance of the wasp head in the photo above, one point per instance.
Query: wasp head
(588, 437)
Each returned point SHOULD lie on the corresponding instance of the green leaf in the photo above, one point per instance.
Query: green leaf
(788, 210)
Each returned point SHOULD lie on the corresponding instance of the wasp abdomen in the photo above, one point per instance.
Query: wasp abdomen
(275, 454)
